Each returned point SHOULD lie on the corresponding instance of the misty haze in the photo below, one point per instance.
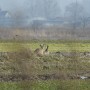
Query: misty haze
(47, 19)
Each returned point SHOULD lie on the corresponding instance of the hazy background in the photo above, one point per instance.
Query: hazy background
(46, 19)
(14, 5)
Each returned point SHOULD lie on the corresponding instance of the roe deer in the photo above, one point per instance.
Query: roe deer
(46, 52)
(40, 51)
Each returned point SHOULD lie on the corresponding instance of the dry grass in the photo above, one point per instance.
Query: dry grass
(49, 33)
(23, 64)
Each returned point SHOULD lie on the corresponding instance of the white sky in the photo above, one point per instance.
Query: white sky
(12, 5)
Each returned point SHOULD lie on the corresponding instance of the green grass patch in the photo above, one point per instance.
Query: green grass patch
(47, 85)
(53, 46)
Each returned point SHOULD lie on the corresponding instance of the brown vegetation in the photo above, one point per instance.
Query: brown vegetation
(51, 33)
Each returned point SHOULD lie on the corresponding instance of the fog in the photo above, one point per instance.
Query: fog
(53, 18)
(20, 11)
(22, 5)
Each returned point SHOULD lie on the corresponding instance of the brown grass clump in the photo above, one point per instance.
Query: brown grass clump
(24, 53)
(22, 64)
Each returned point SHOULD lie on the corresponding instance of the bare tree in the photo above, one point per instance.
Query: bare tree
(74, 12)
(85, 20)
(43, 8)
(86, 5)
(51, 8)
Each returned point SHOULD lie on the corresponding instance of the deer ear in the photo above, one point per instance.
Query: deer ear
(41, 45)
(47, 46)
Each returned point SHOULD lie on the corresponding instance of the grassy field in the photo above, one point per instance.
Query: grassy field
(55, 72)
(47, 85)
(80, 46)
